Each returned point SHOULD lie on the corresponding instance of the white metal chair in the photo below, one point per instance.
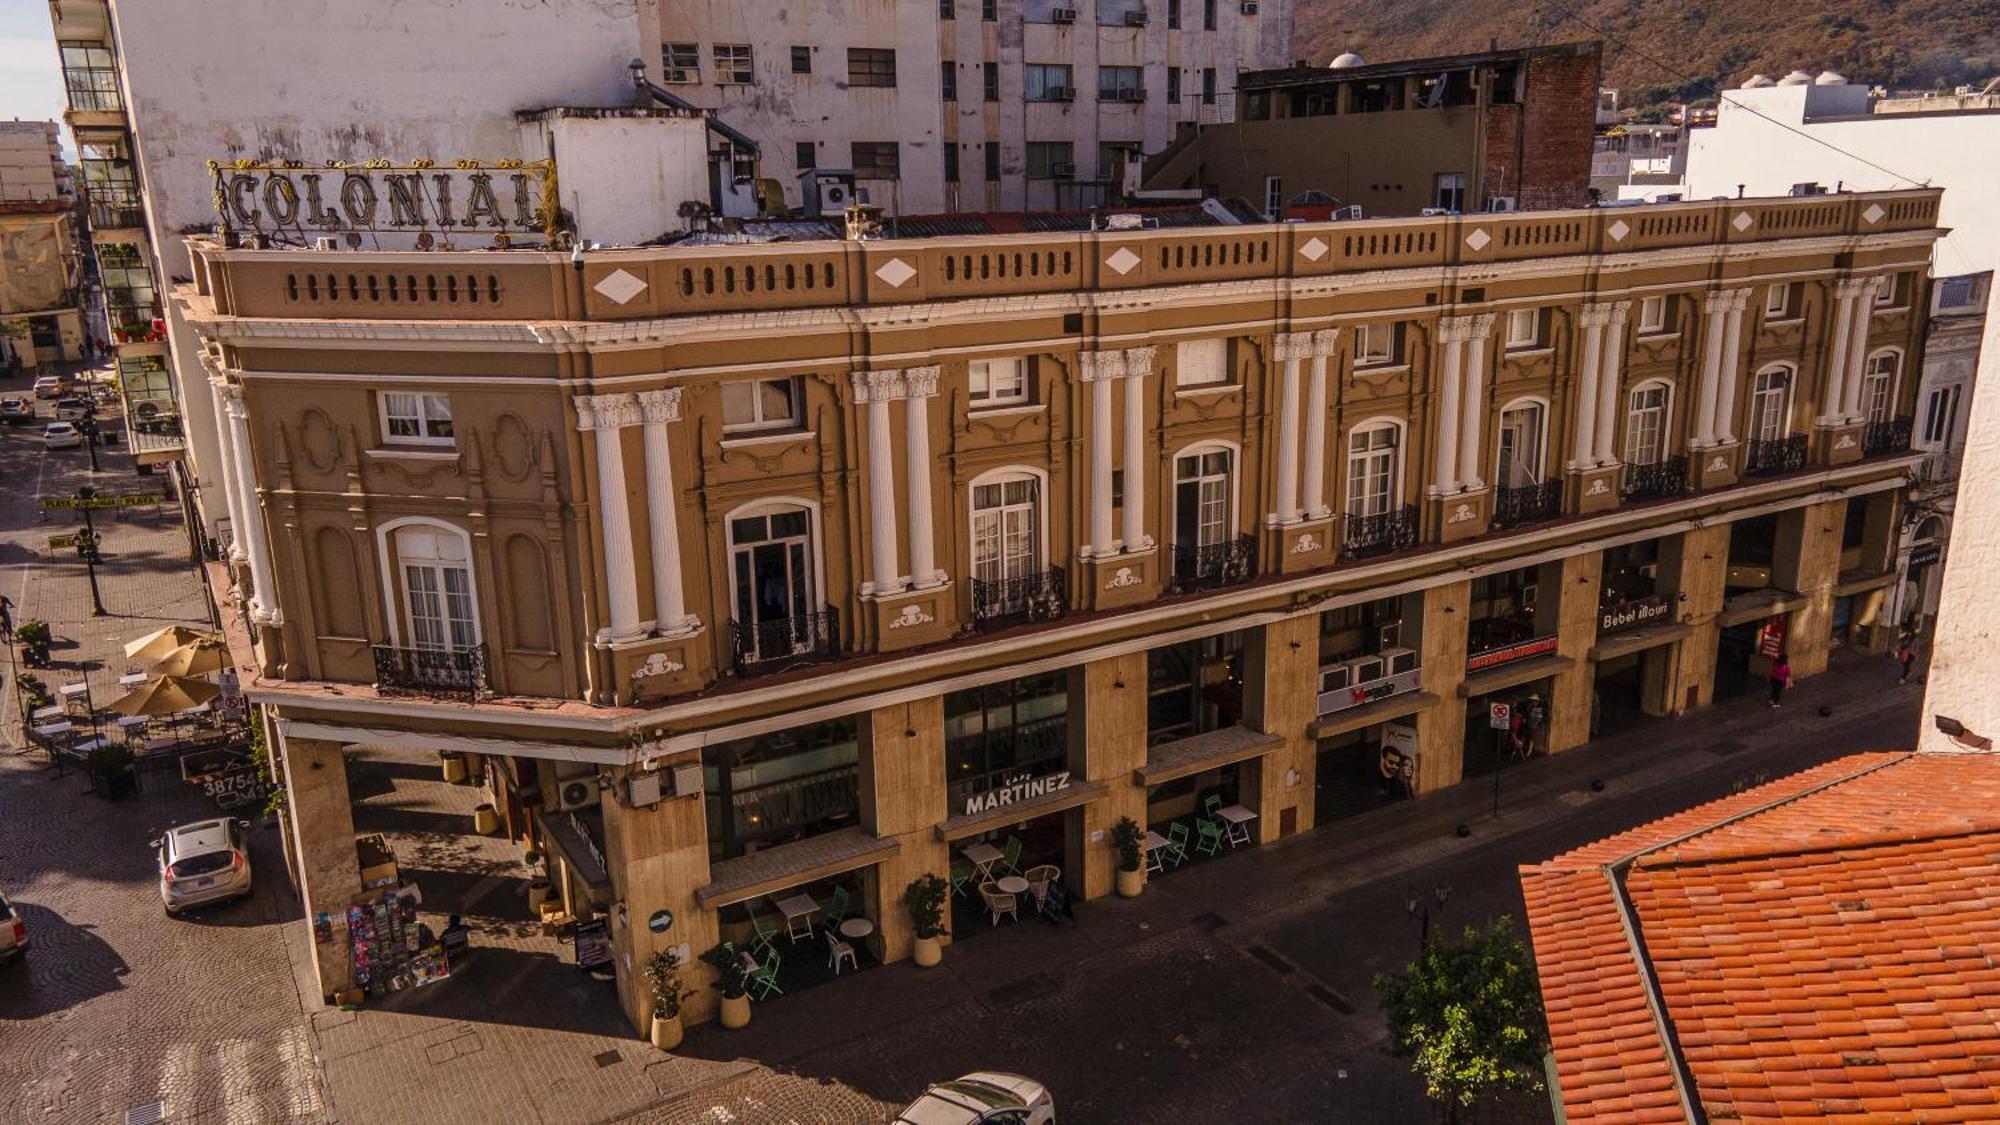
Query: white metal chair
(1039, 879)
(999, 902)
(838, 951)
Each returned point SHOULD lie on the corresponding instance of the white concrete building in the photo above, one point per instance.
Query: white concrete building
(966, 105)
(31, 163)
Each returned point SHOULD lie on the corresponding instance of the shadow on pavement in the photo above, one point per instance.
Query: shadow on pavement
(66, 965)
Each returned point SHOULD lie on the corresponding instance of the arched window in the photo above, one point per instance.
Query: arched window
(1878, 387)
(1770, 405)
(1374, 468)
(1007, 553)
(436, 587)
(1646, 423)
(1204, 497)
(1522, 429)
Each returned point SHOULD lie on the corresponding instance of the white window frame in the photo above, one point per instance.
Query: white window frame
(1666, 427)
(1005, 475)
(1885, 292)
(1233, 479)
(671, 71)
(1274, 198)
(1778, 301)
(1393, 497)
(1652, 316)
(395, 586)
(1894, 380)
(741, 67)
(1375, 344)
(424, 416)
(1941, 406)
(1539, 453)
(770, 506)
(1449, 185)
(1762, 391)
(759, 423)
(1524, 329)
(1201, 363)
(980, 392)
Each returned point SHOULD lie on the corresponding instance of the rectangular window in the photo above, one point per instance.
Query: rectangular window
(948, 80)
(998, 382)
(1203, 500)
(1121, 84)
(947, 10)
(1652, 315)
(1173, 85)
(1051, 160)
(950, 162)
(1449, 194)
(1111, 158)
(1941, 415)
(1208, 82)
(1000, 733)
(802, 60)
(760, 404)
(805, 154)
(989, 10)
(876, 160)
(1173, 14)
(989, 74)
(680, 62)
(1274, 199)
(1371, 471)
(1520, 446)
(776, 788)
(992, 161)
(1524, 328)
(1208, 15)
(1376, 345)
(1778, 302)
(1201, 363)
(733, 65)
(1885, 291)
(1956, 292)
(410, 418)
(90, 77)
(871, 66)
(1194, 687)
(1646, 426)
(1048, 82)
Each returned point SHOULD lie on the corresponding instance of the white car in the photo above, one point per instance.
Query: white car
(987, 1098)
(62, 435)
(204, 862)
(51, 386)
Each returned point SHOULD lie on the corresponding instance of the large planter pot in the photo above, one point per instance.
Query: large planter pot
(454, 769)
(667, 1031)
(538, 893)
(1130, 883)
(485, 820)
(735, 1012)
(928, 953)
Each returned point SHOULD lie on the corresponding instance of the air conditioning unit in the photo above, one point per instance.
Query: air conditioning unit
(1062, 15)
(1362, 669)
(577, 793)
(642, 790)
(1502, 203)
(1397, 661)
(1135, 19)
(1249, 9)
(1061, 94)
(1351, 211)
(687, 779)
(1335, 677)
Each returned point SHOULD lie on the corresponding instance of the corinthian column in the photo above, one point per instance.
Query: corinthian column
(669, 599)
(1138, 364)
(876, 390)
(263, 585)
(1444, 475)
(604, 416)
(1291, 350)
(1610, 381)
(1098, 370)
(1472, 420)
(919, 384)
(1832, 397)
(1324, 343)
(1584, 450)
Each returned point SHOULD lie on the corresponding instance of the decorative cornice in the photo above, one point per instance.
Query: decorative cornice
(606, 412)
(920, 382)
(661, 406)
(878, 386)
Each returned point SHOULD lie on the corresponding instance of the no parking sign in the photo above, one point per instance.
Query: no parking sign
(1497, 716)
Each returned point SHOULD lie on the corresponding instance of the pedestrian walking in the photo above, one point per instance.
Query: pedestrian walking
(7, 618)
(1781, 678)
(1906, 655)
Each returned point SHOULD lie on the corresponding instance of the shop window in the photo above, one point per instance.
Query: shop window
(1367, 629)
(1001, 733)
(1631, 571)
(1504, 610)
(778, 788)
(1194, 687)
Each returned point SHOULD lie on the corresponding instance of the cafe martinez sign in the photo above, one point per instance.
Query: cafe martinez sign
(377, 196)
(1015, 792)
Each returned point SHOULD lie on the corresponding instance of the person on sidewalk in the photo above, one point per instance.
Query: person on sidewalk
(1906, 655)
(1781, 678)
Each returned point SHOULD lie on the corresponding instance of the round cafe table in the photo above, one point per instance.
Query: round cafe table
(856, 928)
(1012, 885)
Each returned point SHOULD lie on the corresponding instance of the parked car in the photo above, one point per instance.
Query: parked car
(13, 932)
(73, 409)
(51, 386)
(16, 410)
(204, 862)
(987, 1098)
(61, 435)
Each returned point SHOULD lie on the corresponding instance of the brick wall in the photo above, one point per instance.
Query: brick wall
(1539, 151)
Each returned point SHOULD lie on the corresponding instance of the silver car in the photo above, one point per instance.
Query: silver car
(985, 1098)
(204, 862)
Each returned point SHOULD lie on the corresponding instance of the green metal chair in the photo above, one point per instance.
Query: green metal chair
(767, 933)
(1010, 863)
(962, 875)
(1212, 839)
(764, 981)
(1178, 839)
(837, 909)
(1210, 805)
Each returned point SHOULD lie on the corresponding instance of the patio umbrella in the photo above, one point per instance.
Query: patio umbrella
(165, 695)
(160, 642)
(200, 658)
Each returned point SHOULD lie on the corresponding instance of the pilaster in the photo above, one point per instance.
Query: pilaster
(657, 856)
(1571, 690)
(1807, 560)
(1282, 680)
(320, 816)
(1441, 726)
(1695, 565)
(903, 795)
(1109, 745)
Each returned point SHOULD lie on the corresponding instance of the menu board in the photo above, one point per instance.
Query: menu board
(593, 945)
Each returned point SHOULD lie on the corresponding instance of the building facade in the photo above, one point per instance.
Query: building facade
(31, 163)
(1497, 130)
(751, 567)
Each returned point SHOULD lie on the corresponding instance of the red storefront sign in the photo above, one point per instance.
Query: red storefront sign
(1493, 658)
(1771, 638)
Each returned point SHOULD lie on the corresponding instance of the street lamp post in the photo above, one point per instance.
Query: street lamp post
(87, 425)
(1419, 909)
(86, 547)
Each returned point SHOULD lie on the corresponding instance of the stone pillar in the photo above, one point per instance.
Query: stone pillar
(1138, 363)
(1444, 472)
(1836, 356)
(1715, 310)
(1099, 369)
(903, 799)
(1732, 337)
(875, 390)
(1584, 456)
(657, 856)
(1325, 341)
(1291, 350)
(919, 387)
(1694, 566)
(1807, 560)
(664, 537)
(1108, 745)
(1281, 690)
(232, 489)
(1573, 690)
(320, 818)
(263, 585)
(605, 416)
(1472, 416)
(1857, 350)
(1441, 726)
(1610, 382)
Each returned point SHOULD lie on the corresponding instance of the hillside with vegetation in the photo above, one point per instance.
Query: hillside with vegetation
(1658, 51)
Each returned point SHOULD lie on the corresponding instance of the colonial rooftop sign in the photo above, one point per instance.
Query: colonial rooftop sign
(375, 196)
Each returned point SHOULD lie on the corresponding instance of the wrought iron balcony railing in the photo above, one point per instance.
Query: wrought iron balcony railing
(770, 646)
(1530, 503)
(1229, 563)
(1380, 534)
(1031, 597)
(1892, 436)
(1665, 477)
(1770, 457)
(432, 671)
(115, 214)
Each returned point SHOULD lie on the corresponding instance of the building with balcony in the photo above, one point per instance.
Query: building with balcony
(751, 567)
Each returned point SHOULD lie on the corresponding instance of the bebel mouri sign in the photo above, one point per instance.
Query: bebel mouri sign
(1638, 611)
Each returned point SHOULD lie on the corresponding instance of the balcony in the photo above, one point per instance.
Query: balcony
(772, 646)
(1892, 436)
(1530, 503)
(1230, 563)
(1769, 458)
(1011, 601)
(431, 671)
(1665, 477)
(116, 214)
(1380, 534)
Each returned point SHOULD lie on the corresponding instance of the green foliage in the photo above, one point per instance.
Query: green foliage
(732, 979)
(109, 760)
(37, 692)
(663, 976)
(34, 634)
(1126, 836)
(924, 899)
(1468, 1014)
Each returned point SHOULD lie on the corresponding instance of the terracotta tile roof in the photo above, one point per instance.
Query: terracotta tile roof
(1824, 948)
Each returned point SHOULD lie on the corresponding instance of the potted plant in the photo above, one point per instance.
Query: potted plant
(110, 769)
(34, 638)
(924, 900)
(1129, 838)
(485, 818)
(732, 979)
(663, 975)
(454, 767)
(34, 691)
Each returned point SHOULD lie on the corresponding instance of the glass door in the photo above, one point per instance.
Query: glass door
(772, 562)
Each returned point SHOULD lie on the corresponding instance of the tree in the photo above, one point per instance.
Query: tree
(1469, 1016)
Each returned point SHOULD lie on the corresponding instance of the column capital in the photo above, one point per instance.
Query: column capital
(661, 405)
(1718, 301)
(1095, 366)
(1738, 299)
(1617, 312)
(232, 393)
(1139, 361)
(920, 382)
(1593, 316)
(1290, 347)
(1456, 329)
(878, 386)
(1325, 341)
(606, 412)
(1855, 286)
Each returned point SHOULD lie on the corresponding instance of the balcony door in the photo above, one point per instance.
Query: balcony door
(1520, 446)
(1878, 388)
(437, 589)
(771, 557)
(1769, 405)
(1201, 499)
(1371, 471)
(1646, 425)
(1006, 546)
